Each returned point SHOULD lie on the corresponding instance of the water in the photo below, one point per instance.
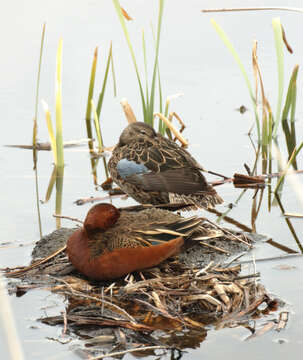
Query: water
(193, 61)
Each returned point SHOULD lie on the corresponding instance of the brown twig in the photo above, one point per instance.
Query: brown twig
(35, 264)
(283, 8)
(68, 218)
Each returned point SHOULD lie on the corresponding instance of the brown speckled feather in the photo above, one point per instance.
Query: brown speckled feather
(169, 172)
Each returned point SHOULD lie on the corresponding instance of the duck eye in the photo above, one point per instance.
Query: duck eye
(143, 132)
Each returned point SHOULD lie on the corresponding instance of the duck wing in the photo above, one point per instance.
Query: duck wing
(162, 166)
(158, 232)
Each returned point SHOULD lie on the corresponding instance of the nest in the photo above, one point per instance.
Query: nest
(169, 306)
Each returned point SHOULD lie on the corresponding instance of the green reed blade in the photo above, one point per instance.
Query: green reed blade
(280, 62)
(35, 127)
(50, 131)
(162, 126)
(99, 136)
(292, 119)
(127, 37)
(270, 122)
(294, 93)
(89, 113)
(290, 107)
(288, 99)
(101, 95)
(89, 98)
(58, 96)
(97, 125)
(236, 57)
(153, 85)
(145, 70)
(37, 97)
(264, 142)
(59, 192)
(59, 137)
(113, 73)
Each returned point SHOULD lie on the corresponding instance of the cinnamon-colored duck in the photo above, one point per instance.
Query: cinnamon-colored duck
(113, 243)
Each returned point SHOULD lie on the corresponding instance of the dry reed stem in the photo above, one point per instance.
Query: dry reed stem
(68, 218)
(267, 327)
(214, 247)
(128, 111)
(225, 231)
(35, 264)
(46, 146)
(283, 320)
(257, 8)
(220, 290)
(79, 294)
(173, 129)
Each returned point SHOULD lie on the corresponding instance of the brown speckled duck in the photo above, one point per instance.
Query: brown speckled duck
(154, 170)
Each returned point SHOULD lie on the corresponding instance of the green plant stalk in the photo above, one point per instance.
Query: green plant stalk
(97, 126)
(162, 126)
(113, 74)
(89, 113)
(145, 70)
(51, 132)
(59, 137)
(89, 98)
(153, 85)
(59, 192)
(127, 37)
(35, 127)
(270, 122)
(101, 95)
(37, 98)
(290, 106)
(280, 60)
(99, 136)
(236, 57)
(264, 142)
(292, 121)
(58, 96)
(160, 94)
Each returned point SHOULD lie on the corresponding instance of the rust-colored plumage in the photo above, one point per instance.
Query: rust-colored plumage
(113, 243)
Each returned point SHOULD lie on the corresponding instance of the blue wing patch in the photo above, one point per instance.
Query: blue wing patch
(127, 168)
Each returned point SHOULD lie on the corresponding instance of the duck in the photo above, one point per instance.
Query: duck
(114, 242)
(153, 169)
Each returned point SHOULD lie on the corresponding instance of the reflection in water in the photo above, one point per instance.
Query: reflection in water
(170, 307)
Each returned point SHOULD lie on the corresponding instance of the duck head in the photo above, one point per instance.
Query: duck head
(100, 217)
(135, 130)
